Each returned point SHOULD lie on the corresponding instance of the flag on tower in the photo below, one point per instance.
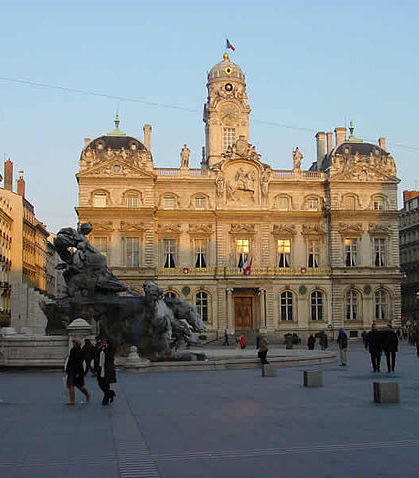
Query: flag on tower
(229, 45)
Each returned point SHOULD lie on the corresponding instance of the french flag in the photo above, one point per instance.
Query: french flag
(229, 45)
(247, 266)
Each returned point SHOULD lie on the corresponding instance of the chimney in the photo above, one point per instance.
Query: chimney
(320, 136)
(21, 184)
(8, 175)
(147, 136)
(329, 138)
(86, 141)
(340, 135)
(382, 143)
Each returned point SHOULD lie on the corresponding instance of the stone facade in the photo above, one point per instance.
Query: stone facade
(298, 250)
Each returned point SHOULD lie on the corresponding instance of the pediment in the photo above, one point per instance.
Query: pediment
(169, 228)
(378, 229)
(131, 226)
(364, 172)
(104, 226)
(314, 229)
(200, 228)
(243, 228)
(354, 228)
(284, 229)
(116, 168)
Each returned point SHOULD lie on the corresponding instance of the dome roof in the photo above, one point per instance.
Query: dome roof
(224, 70)
(363, 149)
(116, 140)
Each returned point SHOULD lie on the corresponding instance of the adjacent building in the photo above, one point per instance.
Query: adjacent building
(409, 256)
(253, 247)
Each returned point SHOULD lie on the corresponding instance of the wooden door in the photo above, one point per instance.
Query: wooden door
(243, 317)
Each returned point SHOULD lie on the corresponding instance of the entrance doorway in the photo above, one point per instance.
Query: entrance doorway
(243, 312)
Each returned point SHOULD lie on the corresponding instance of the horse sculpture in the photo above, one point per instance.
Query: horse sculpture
(156, 325)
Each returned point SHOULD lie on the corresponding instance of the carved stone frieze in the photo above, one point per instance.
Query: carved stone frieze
(102, 226)
(169, 228)
(200, 229)
(241, 149)
(314, 229)
(378, 229)
(131, 226)
(350, 228)
(284, 229)
(240, 228)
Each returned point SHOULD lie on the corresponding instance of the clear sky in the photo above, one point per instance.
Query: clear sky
(310, 65)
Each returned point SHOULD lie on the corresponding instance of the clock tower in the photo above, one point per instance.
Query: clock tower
(226, 112)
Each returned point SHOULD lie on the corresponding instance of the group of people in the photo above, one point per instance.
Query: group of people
(378, 341)
(99, 359)
(322, 338)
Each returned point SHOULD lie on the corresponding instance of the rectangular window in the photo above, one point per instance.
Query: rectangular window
(351, 250)
(201, 246)
(132, 201)
(286, 306)
(99, 200)
(313, 204)
(169, 203)
(200, 203)
(132, 252)
(101, 244)
(169, 253)
(316, 306)
(242, 251)
(313, 254)
(380, 258)
(284, 253)
(229, 137)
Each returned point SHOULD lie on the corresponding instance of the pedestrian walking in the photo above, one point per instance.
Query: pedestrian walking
(226, 341)
(390, 347)
(323, 341)
(342, 341)
(311, 342)
(374, 346)
(263, 349)
(242, 342)
(88, 350)
(105, 369)
(75, 372)
(417, 341)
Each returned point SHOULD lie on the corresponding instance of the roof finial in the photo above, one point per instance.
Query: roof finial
(225, 57)
(351, 128)
(116, 121)
(116, 131)
(352, 138)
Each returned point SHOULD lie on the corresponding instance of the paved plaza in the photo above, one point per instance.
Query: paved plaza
(215, 424)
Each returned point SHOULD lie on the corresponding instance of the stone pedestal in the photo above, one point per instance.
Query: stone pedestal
(268, 371)
(313, 378)
(134, 361)
(78, 329)
(386, 392)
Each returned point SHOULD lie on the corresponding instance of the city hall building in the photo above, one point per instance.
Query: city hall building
(254, 248)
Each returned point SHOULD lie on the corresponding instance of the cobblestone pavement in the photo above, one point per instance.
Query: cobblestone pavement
(215, 424)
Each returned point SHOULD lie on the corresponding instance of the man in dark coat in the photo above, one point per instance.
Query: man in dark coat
(311, 342)
(105, 369)
(323, 340)
(263, 347)
(88, 355)
(342, 341)
(390, 347)
(75, 372)
(374, 346)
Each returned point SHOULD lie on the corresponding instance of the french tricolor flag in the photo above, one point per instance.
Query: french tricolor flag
(229, 45)
(247, 266)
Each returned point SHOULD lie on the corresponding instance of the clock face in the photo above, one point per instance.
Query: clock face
(229, 114)
(228, 87)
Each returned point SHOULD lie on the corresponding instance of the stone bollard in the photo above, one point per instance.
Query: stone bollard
(313, 378)
(386, 392)
(268, 371)
(78, 329)
(134, 361)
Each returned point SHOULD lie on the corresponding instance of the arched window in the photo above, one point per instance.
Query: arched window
(381, 305)
(201, 303)
(351, 304)
(286, 305)
(200, 202)
(170, 295)
(378, 203)
(132, 200)
(317, 309)
(283, 203)
(349, 202)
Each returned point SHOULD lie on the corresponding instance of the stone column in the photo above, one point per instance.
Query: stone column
(78, 329)
(262, 313)
(230, 312)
